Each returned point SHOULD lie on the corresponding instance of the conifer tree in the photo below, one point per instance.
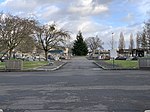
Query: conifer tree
(80, 47)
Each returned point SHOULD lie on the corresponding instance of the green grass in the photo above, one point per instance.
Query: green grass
(33, 64)
(125, 63)
(2, 65)
(28, 64)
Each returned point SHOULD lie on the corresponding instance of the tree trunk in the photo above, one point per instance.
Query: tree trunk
(10, 53)
(93, 52)
(46, 53)
(4, 54)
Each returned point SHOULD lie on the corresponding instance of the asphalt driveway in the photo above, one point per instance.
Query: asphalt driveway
(79, 86)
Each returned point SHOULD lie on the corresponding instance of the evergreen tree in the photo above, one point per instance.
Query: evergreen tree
(144, 42)
(145, 37)
(80, 47)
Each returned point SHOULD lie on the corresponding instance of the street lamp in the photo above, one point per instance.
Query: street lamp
(112, 41)
(113, 50)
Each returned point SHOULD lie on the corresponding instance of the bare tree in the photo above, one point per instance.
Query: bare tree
(48, 37)
(131, 44)
(26, 46)
(13, 30)
(94, 43)
(121, 42)
(138, 39)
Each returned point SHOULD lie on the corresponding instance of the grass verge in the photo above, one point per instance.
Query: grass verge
(28, 64)
(124, 63)
(2, 65)
(33, 64)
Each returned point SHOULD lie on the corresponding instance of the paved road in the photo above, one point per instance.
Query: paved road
(79, 86)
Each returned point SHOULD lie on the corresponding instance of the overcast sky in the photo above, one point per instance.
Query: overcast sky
(92, 17)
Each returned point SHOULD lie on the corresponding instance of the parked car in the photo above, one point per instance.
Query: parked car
(106, 58)
(121, 58)
(134, 58)
(3, 59)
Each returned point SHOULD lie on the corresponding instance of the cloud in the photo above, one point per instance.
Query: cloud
(143, 7)
(92, 17)
(87, 7)
(47, 11)
(128, 18)
(17, 5)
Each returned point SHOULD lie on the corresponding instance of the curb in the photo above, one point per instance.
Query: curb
(104, 68)
(36, 70)
(100, 66)
(53, 69)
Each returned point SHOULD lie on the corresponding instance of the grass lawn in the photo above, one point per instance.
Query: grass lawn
(2, 65)
(33, 64)
(28, 64)
(125, 63)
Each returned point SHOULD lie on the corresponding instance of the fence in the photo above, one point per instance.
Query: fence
(144, 63)
(13, 65)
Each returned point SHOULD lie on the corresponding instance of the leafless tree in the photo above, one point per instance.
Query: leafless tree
(48, 37)
(13, 30)
(138, 39)
(131, 44)
(121, 42)
(94, 43)
(26, 46)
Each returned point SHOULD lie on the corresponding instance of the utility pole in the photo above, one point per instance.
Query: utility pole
(113, 51)
(112, 41)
